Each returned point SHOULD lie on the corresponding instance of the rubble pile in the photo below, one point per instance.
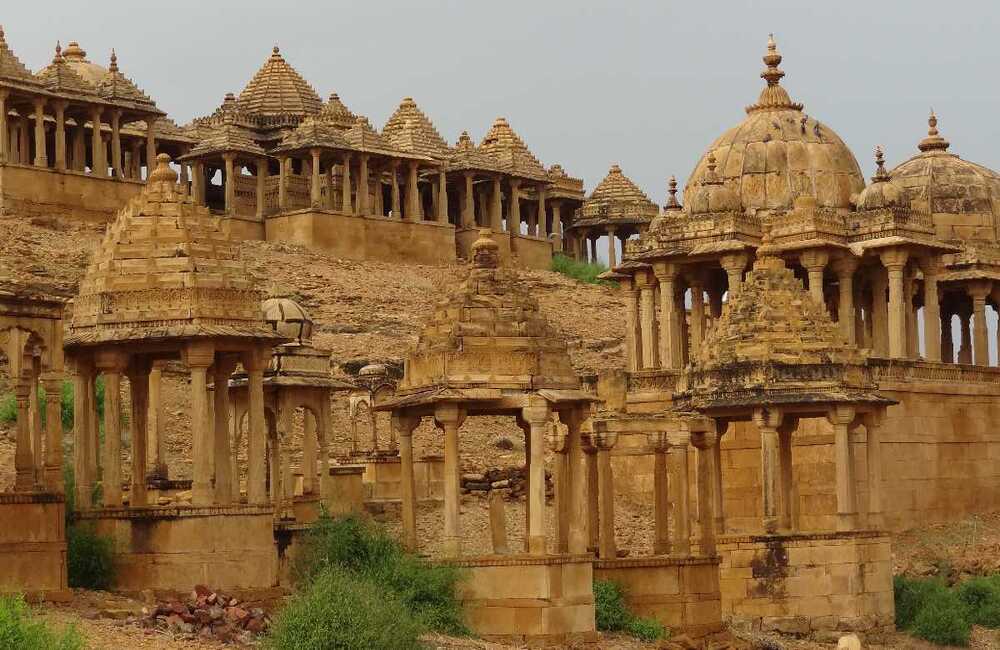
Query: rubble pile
(207, 615)
(513, 480)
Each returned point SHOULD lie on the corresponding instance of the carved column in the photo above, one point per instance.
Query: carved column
(226, 483)
(787, 494)
(83, 437)
(910, 311)
(116, 143)
(150, 145)
(261, 187)
(704, 442)
(230, 187)
(661, 493)
(41, 158)
(24, 464)
(932, 311)
(814, 261)
(696, 330)
(670, 314)
(403, 426)
(558, 444)
(842, 417)
(60, 139)
(397, 210)
(315, 179)
(363, 189)
(4, 129)
(540, 214)
(677, 457)
(593, 505)
(138, 381)
(947, 344)
(98, 167)
(111, 366)
(734, 265)
(577, 466)
(768, 421)
(468, 205)
(894, 261)
(154, 422)
(604, 441)
(514, 209)
(442, 198)
(413, 211)
(845, 268)
(536, 417)
(633, 354)
(978, 291)
(198, 358)
(873, 448)
(880, 312)
(647, 318)
(612, 251)
(254, 362)
(965, 326)
(449, 417)
(346, 206)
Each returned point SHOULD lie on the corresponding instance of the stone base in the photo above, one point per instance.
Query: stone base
(29, 191)
(383, 478)
(516, 250)
(681, 593)
(33, 546)
(177, 547)
(539, 601)
(805, 583)
(345, 490)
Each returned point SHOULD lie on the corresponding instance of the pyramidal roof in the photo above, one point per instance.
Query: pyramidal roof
(466, 155)
(11, 67)
(410, 130)
(617, 197)
(313, 132)
(278, 89)
(510, 152)
(60, 77)
(363, 136)
(165, 270)
(335, 112)
(224, 138)
(115, 86)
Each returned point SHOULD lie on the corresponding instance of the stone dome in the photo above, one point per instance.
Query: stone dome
(778, 153)
(883, 192)
(962, 197)
(76, 57)
(373, 370)
(711, 195)
(288, 318)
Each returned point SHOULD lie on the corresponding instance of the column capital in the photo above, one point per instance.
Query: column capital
(814, 258)
(766, 417)
(404, 424)
(256, 359)
(842, 415)
(846, 265)
(111, 361)
(603, 440)
(659, 441)
(198, 355)
(894, 259)
(930, 265)
(449, 413)
(38, 103)
(515, 183)
(225, 365)
(4, 93)
(611, 230)
(229, 156)
(979, 289)
(666, 271)
(643, 279)
(734, 261)
(535, 414)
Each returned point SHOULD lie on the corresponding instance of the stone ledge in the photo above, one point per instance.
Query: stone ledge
(757, 538)
(32, 547)
(655, 561)
(174, 512)
(18, 498)
(517, 560)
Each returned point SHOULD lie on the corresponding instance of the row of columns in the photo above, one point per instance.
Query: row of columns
(38, 450)
(584, 242)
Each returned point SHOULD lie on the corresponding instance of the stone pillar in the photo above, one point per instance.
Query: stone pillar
(612, 251)
(873, 449)
(24, 464)
(404, 426)
(116, 143)
(98, 167)
(498, 523)
(577, 487)
(496, 206)
(254, 362)
(677, 457)
(717, 494)
(786, 493)
(346, 189)
(670, 339)
(198, 183)
(842, 417)
(932, 311)
(978, 291)
(647, 318)
(539, 215)
(83, 437)
(768, 421)
(449, 417)
(705, 442)
(947, 344)
(413, 211)
(230, 182)
(154, 422)
(111, 366)
(261, 187)
(468, 205)
(397, 211)
(442, 198)
(4, 128)
(604, 441)
(633, 350)
(558, 444)
(696, 330)
(150, 145)
(514, 210)
(282, 183)
(34, 364)
(894, 261)
(593, 505)
(660, 443)
(315, 180)
(198, 358)
(880, 313)
(537, 418)
(845, 268)
(226, 483)
(910, 311)
(734, 265)
(60, 108)
(138, 381)
(41, 158)
(965, 326)
(814, 261)
(363, 189)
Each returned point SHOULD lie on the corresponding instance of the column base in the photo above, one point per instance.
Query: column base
(537, 545)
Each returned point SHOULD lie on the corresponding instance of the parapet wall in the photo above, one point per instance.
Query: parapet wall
(34, 191)
(33, 546)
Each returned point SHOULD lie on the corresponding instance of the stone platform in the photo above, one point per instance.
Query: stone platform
(681, 593)
(543, 600)
(177, 547)
(33, 546)
(803, 583)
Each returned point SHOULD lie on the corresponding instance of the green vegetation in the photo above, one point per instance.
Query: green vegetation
(89, 558)
(582, 271)
(416, 596)
(929, 609)
(20, 629)
(8, 404)
(613, 615)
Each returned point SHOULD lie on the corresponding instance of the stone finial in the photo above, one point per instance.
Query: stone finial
(163, 172)
(485, 251)
(772, 74)
(933, 141)
(773, 96)
(58, 55)
(672, 203)
(74, 51)
(711, 178)
(113, 67)
(275, 52)
(881, 176)
(3, 37)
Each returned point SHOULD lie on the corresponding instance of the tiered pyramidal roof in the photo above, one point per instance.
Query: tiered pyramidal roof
(279, 90)
(60, 77)
(115, 86)
(410, 130)
(510, 152)
(11, 68)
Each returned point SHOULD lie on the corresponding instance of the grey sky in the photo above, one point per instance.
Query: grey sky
(647, 84)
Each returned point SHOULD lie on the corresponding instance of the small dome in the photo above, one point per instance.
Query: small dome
(778, 153)
(288, 318)
(374, 370)
(76, 57)
(962, 197)
(883, 191)
(712, 196)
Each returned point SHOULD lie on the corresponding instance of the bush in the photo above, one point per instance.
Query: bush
(427, 590)
(89, 558)
(340, 611)
(21, 630)
(981, 597)
(582, 271)
(8, 404)
(613, 615)
(943, 619)
(910, 595)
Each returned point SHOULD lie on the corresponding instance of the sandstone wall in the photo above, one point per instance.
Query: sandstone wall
(30, 191)
(33, 545)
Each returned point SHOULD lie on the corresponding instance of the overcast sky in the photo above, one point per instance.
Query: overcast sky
(586, 83)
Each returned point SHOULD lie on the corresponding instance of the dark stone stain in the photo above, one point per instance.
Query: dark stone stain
(770, 568)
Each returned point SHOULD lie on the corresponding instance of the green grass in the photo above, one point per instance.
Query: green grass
(582, 271)
(20, 629)
(613, 615)
(8, 405)
(930, 610)
(348, 549)
(89, 558)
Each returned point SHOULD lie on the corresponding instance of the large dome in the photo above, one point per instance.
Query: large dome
(962, 197)
(778, 153)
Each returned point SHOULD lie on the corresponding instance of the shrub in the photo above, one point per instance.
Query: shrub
(8, 404)
(89, 558)
(582, 271)
(339, 610)
(613, 615)
(943, 619)
(981, 597)
(21, 630)
(427, 590)
(910, 595)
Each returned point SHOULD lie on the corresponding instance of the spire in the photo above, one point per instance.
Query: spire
(672, 203)
(773, 96)
(3, 38)
(933, 141)
(881, 176)
(58, 55)
(711, 178)
(114, 62)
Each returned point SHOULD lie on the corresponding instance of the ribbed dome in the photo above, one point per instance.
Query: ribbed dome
(712, 196)
(962, 197)
(778, 153)
(288, 318)
(883, 191)
(76, 57)
(617, 197)
(279, 90)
